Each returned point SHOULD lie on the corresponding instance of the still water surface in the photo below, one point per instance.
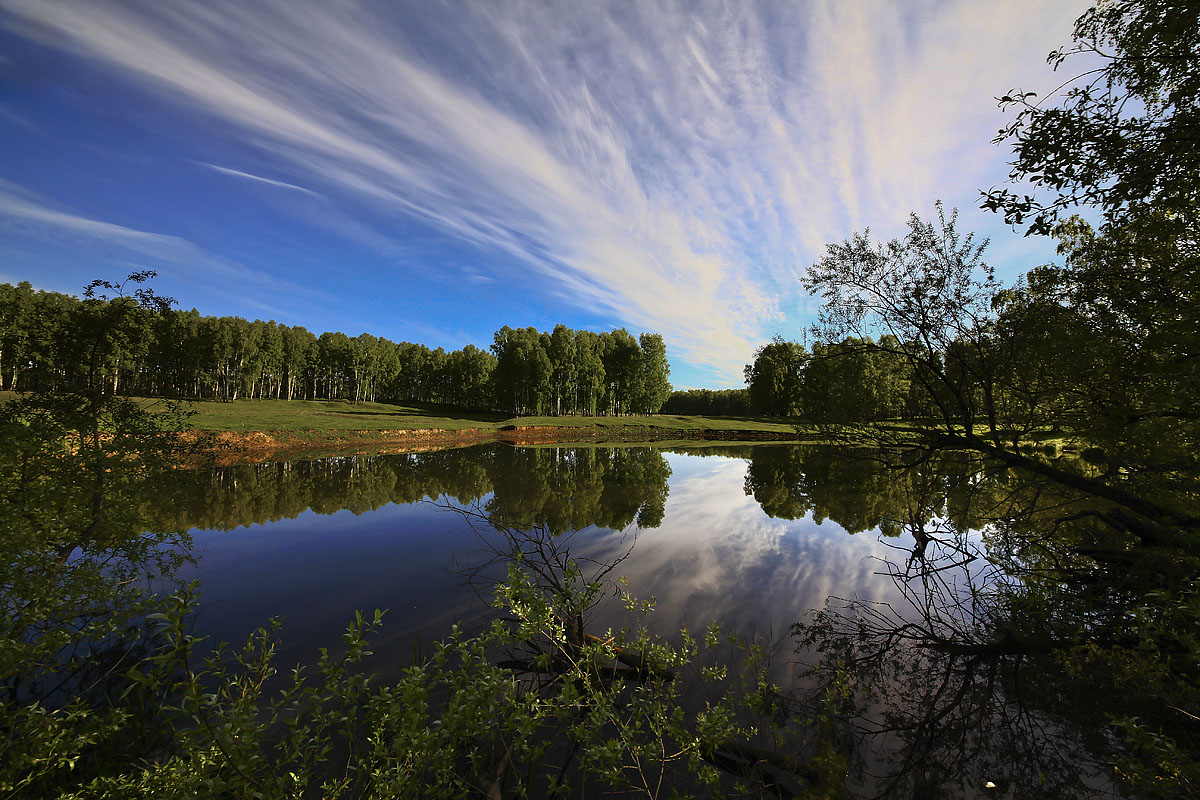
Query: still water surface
(756, 538)
(311, 542)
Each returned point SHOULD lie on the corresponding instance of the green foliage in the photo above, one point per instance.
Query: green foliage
(1160, 660)
(856, 380)
(580, 372)
(774, 379)
(840, 383)
(1122, 137)
(172, 353)
(709, 402)
(1001, 367)
(531, 706)
(1099, 352)
(523, 371)
(653, 386)
(621, 356)
(77, 554)
(928, 294)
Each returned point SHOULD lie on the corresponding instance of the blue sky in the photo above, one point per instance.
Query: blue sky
(431, 171)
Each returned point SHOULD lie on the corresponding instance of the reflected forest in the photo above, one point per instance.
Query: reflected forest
(559, 488)
(973, 573)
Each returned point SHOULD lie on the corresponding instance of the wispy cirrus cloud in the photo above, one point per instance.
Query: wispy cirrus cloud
(676, 166)
(23, 212)
(237, 173)
(20, 207)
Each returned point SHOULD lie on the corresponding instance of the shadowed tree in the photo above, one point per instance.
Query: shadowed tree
(773, 380)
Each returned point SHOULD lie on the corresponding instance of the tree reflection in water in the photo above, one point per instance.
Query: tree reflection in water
(1026, 638)
(1031, 635)
(565, 488)
(645, 715)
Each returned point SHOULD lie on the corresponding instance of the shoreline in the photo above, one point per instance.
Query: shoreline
(246, 447)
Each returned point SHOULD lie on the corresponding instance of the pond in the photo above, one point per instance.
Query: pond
(312, 541)
(924, 582)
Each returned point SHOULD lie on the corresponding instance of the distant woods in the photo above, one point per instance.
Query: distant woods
(854, 380)
(709, 403)
(184, 354)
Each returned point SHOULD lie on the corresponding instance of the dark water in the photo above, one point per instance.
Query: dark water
(311, 542)
(941, 588)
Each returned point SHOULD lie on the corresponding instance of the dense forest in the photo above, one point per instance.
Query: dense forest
(852, 380)
(175, 353)
(708, 402)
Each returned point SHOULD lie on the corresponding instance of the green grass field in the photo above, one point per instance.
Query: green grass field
(291, 416)
(319, 416)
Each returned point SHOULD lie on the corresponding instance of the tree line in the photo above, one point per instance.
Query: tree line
(856, 379)
(164, 351)
(708, 402)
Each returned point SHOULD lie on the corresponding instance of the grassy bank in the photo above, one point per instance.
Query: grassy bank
(320, 419)
(299, 416)
(260, 426)
(258, 429)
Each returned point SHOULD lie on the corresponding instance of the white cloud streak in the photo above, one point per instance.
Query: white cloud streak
(674, 166)
(23, 213)
(237, 173)
(19, 206)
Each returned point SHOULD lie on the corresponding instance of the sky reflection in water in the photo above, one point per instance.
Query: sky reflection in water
(716, 555)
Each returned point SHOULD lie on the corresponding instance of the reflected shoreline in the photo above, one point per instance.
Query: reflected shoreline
(231, 448)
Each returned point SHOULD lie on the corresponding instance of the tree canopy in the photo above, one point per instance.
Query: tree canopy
(1123, 137)
(177, 353)
(1099, 352)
